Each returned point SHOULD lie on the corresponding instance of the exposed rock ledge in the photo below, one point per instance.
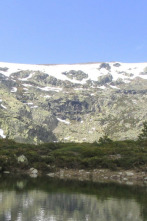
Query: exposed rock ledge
(129, 177)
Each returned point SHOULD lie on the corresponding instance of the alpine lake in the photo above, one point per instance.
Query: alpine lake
(23, 198)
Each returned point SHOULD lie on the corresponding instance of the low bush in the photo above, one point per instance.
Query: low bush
(112, 155)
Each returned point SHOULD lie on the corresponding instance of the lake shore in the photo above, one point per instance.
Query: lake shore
(122, 162)
(129, 177)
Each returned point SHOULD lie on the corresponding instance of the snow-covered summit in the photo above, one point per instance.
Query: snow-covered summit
(124, 71)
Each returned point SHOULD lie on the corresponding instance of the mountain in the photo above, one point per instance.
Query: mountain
(72, 103)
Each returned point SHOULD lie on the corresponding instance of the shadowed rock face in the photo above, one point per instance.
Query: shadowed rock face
(105, 65)
(78, 75)
(105, 79)
(72, 103)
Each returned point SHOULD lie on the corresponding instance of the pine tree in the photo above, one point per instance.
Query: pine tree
(105, 139)
(143, 135)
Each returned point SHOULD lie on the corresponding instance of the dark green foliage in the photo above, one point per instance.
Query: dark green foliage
(143, 135)
(47, 157)
(42, 166)
(104, 140)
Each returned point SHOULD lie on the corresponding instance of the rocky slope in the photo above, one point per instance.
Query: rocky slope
(79, 103)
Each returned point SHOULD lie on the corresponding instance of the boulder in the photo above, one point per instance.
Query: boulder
(105, 65)
(77, 75)
(117, 65)
(6, 172)
(129, 173)
(22, 159)
(33, 175)
(51, 174)
(105, 79)
(33, 171)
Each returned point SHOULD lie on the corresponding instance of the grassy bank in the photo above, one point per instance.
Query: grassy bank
(48, 157)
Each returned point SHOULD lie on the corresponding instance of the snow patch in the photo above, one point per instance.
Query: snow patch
(2, 133)
(77, 89)
(90, 132)
(27, 85)
(66, 138)
(114, 87)
(134, 101)
(3, 106)
(29, 103)
(63, 121)
(14, 89)
(25, 79)
(34, 106)
(84, 138)
(50, 89)
(47, 96)
(102, 87)
(127, 81)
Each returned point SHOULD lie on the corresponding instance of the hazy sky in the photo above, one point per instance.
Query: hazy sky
(73, 31)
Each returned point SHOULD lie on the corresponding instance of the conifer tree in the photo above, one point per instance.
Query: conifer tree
(143, 135)
(105, 139)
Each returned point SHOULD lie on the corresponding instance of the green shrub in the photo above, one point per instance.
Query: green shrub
(42, 166)
(143, 134)
(104, 140)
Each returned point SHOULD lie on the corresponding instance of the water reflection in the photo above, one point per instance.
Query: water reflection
(47, 200)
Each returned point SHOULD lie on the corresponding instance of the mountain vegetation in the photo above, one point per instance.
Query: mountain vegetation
(51, 156)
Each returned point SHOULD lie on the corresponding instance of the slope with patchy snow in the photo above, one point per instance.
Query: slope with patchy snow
(43, 103)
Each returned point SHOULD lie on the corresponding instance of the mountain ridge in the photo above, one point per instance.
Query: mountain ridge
(37, 101)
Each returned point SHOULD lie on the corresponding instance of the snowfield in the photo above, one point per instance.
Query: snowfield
(124, 71)
(2, 134)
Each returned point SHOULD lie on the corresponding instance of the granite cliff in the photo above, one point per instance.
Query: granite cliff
(72, 103)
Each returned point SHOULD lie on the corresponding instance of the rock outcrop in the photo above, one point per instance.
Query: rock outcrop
(72, 103)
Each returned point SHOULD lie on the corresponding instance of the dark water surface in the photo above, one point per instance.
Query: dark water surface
(46, 199)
